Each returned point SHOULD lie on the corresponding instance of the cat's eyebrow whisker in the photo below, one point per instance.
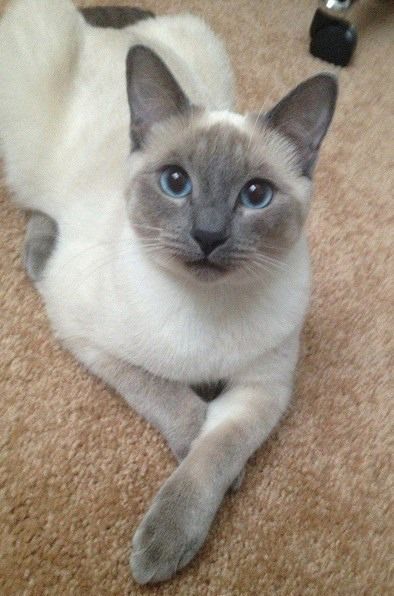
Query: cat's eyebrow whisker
(255, 126)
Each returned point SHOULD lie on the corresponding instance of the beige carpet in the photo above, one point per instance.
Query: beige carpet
(315, 514)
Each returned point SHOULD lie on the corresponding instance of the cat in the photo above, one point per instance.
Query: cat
(168, 243)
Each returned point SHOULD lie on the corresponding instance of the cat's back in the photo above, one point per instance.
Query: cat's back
(191, 50)
(63, 101)
(94, 144)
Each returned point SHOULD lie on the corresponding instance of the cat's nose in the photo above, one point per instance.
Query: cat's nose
(208, 239)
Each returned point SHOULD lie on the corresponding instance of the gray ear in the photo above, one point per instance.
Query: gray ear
(304, 116)
(152, 91)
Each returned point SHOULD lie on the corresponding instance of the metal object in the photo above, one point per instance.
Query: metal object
(336, 5)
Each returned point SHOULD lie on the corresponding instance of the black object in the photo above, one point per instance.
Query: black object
(332, 39)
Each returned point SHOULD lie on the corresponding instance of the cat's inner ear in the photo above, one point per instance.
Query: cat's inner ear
(304, 116)
(152, 91)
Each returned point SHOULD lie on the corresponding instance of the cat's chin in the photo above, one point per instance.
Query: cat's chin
(205, 271)
(202, 271)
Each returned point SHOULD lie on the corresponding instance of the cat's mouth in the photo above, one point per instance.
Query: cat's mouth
(205, 269)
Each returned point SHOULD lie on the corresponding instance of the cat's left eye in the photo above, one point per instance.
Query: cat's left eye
(175, 182)
(256, 194)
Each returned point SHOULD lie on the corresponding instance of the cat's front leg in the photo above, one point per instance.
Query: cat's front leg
(173, 408)
(178, 521)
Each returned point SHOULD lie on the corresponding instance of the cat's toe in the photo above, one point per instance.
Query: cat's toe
(160, 549)
(167, 539)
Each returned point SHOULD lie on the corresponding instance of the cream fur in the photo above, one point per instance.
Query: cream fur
(64, 122)
(66, 152)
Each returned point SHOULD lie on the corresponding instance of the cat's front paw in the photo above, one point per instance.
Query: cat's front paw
(170, 534)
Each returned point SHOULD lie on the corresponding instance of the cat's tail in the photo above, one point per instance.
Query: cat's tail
(40, 41)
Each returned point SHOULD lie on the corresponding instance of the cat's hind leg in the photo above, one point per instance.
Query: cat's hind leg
(40, 241)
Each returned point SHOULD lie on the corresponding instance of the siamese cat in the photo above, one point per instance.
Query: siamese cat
(167, 238)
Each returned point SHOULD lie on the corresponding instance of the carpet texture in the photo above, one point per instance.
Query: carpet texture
(315, 513)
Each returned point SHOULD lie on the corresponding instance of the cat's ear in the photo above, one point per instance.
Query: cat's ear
(304, 116)
(152, 91)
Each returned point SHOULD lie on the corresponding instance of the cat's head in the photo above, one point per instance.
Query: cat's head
(217, 195)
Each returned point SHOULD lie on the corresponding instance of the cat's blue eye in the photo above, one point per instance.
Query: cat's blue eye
(175, 182)
(256, 194)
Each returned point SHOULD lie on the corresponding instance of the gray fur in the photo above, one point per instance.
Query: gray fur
(174, 409)
(181, 514)
(152, 91)
(304, 116)
(40, 241)
(116, 17)
(220, 160)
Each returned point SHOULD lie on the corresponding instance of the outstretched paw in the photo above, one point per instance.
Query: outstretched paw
(170, 534)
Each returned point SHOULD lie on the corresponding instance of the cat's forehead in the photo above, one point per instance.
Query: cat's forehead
(223, 144)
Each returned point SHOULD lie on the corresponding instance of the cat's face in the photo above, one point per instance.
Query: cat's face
(216, 195)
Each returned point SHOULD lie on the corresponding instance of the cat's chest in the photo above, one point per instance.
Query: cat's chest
(150, 324)
(173, 337)
(184, 347)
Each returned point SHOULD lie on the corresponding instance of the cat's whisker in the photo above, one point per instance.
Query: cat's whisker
(147, 227)
(272, 247)
(255, 271)
(272, 267)
(250, 271)
(273, 260)
(147, 244)
(255, 126)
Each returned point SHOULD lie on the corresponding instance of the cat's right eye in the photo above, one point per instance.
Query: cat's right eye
(256, 194)
(175, 182)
